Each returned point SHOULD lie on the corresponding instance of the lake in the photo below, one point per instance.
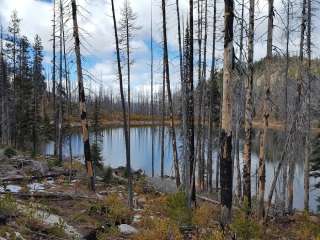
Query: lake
(113, 152)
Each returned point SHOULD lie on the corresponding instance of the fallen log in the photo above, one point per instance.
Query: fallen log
(21, 178)
(206, 199)
(48, 195)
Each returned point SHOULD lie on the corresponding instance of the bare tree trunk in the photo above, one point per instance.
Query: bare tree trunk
(239, 96)
(248, 111)
(166, 62)
(190, 113)
(128, 75)
(54, 79)
(204, 75)
(226, 123)
(82, 99)
(266, 114)
(125, 124)
(152, 106)
(60, 114)
(68, 87)
(307, 144)
(162, 120)
(285, 165)
(298, 101)
(183, 105)
(211, 110)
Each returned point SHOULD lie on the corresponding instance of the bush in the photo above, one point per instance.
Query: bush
(244, 226)
(307, 229)
(107, 174)
(160, 229)
(177, 208)
(117, 211)
(96, 155)
(8, 205)
(204, 216)
(10, 152)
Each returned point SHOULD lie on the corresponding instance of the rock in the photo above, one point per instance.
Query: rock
(137, 218)
(314, 219)
(19, 236)
(1, 238)
(103, 193)
(127, 229)
(99, 179)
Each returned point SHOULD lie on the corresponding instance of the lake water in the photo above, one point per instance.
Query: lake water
(113, 152)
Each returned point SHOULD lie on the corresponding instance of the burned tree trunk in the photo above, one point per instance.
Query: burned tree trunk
(266, 114)
(82, 99)
(248, 111)
(166, 63)
(190, 112)
(226, 124)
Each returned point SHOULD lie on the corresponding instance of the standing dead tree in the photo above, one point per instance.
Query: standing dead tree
(308, 117)
(190, 187)
(248, 110)
(226, 123)
(124, 110)
(211, 99)
(54, 77)
(82, 99)
(152, 105)
(167, 76)
(266, 114)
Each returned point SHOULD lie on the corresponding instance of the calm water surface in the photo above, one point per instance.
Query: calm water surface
(113, 152)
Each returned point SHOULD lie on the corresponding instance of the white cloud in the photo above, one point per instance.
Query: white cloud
(97, 27)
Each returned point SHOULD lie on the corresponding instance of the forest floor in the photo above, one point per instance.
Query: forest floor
(38, 201)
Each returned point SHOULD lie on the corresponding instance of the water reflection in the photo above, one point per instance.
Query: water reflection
(113, 152)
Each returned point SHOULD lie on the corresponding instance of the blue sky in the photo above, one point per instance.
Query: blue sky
(98, 38)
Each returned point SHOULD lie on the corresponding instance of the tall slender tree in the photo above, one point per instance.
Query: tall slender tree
(226, 124)
(190, 112)
(211, 100)
(152, 105)
(266, 114)
(124, 110)
(82, 99)
(167, 76)
(249, 110)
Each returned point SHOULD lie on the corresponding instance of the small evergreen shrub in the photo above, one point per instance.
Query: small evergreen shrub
(107, 174)
(8, 205)
(10, 152)
(244, 226)
(96, 155)
(177, 208)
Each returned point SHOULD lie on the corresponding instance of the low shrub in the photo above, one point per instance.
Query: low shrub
(245, 226)
(107, 174)
(8, 205)
(160, 229)
(117, 211)
(307, 229)
(205, 216)
(10, 152)
(177, 208)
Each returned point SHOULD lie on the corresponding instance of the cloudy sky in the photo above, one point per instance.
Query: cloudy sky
(98, 40)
